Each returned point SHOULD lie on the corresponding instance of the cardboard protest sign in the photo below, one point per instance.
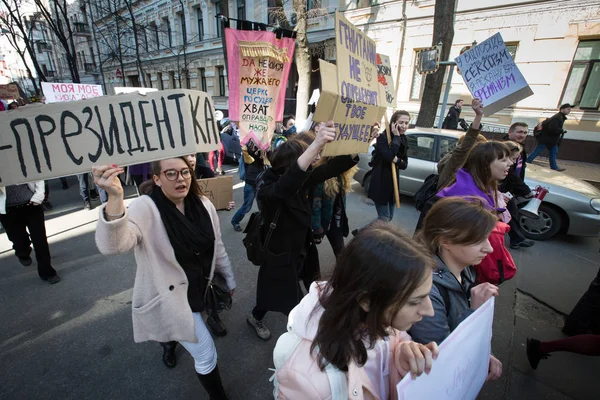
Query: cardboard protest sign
(59, 92)
(258, 69)
(462, 365)
(384, 76)
(350, 92)
(9, 92)
(492, 76)
(219, 190)
(63, 139)
(141, 90)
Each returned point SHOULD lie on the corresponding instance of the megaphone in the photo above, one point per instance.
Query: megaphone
(531, 209)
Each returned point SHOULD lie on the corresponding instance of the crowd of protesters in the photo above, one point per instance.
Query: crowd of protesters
(391, 300)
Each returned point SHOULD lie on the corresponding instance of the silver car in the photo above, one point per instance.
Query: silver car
(571, 206)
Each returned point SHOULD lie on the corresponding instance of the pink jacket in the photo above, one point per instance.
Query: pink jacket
(301, 378)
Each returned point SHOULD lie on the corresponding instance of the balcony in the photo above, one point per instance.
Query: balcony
(89, 68)
(43, 46)
(81, 29)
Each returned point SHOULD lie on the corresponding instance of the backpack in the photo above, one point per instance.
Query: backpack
(539, 128)
(255, 248)
(498, 266)
(426, 191)
(285, 347)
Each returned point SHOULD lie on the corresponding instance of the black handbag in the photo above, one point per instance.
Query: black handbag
(256, 250)
(217, 297)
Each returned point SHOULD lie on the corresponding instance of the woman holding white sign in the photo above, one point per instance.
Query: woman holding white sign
(347, 338)
(456, 231)
(176, 236)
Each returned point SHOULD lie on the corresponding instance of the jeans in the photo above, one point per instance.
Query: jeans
(552, 153)
(385, 212)
(17, 221)
(84, 190)
(249, 194)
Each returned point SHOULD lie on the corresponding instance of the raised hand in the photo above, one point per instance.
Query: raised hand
(481, 293)
(107, 177)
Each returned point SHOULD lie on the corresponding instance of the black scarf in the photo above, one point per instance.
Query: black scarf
(192, 238)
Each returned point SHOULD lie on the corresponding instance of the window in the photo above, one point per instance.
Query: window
(241, 9)
(200, 23)
(171, 79)
(421, 147)
(167, 24)
(159, 80)
(218, 20)
(202, 74)
(447, 144)
(583, 84)
(310, 4)
(149, 80)
(416, 89)
(512, 49)
(221, 73)
(154, 32)
(183, 28)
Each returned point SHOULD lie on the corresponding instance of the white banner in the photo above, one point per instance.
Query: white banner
(462, 365)
(57, 92)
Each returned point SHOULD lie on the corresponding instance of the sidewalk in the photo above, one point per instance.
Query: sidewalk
(585, 171)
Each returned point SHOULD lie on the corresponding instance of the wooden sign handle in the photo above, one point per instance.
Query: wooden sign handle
(388, 132)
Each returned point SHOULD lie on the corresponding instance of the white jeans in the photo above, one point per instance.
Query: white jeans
(204, 352)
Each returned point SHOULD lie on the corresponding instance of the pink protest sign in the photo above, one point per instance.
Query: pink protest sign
(258, 70)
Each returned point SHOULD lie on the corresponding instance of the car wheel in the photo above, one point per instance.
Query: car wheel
(543, 228)
(367, 183)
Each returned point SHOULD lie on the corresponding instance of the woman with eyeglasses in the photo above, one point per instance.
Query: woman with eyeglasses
(176, 236)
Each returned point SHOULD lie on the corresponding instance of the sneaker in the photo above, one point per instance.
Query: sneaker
(534, 352)
(87, 205)
(26, 262)
(237, 227)
(560, 169)
(261, 330)
(216, 326)
(526, 243)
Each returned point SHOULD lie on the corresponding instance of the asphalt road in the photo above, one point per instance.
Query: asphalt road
(73, 340)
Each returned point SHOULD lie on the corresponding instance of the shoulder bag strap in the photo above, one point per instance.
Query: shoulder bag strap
(272, 227)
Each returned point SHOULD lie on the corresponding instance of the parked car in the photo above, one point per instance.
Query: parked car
(572, 206)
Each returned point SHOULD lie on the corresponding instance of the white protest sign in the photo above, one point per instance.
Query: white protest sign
(57, 92)
(492, 76)
(140, 90)
(63, 139)
(350, 90)
(384, 76)
(462, 365)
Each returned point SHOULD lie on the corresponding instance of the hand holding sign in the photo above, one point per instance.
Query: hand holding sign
(481, 293)
(495, 371)
(325, 134)
(416, 358)
(107, 178)
(477, 107)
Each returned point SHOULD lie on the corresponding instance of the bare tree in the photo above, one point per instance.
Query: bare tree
(443, 31)
(56, 16)
(20, 37)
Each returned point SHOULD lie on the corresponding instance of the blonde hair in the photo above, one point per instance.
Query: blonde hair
(513, 147)
(332, 186)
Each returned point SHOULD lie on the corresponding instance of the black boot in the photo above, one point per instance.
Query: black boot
(169, 357)
(213, 385)
(215, 325)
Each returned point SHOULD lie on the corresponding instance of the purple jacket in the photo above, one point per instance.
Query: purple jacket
(465, 186)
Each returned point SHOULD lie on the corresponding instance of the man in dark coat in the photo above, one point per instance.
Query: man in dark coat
(453, 118)
(550, 135)
(515, 184)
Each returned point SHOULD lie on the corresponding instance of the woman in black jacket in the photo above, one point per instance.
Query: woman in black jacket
(381, 189)
(283, 198)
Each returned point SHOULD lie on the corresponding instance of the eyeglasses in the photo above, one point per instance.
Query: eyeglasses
(172, 174)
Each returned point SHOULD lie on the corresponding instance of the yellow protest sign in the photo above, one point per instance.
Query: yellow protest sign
(351, 94)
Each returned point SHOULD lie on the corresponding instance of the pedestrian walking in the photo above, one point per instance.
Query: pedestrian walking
(282, 196)
(587, 345)
(87, 193)
(176, 235)
(386, 154)
(456, 232)
(22, 216)
(549, 135)
(347, 338)
(453, 118)
(254, 165)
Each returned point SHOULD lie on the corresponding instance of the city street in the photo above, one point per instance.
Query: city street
(73, 340)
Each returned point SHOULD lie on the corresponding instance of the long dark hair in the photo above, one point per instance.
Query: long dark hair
(286, 154)
(147, 186)
(478, 165)
(382, 267)
(461, 221)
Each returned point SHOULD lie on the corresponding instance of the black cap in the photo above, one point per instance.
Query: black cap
(566, 105)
